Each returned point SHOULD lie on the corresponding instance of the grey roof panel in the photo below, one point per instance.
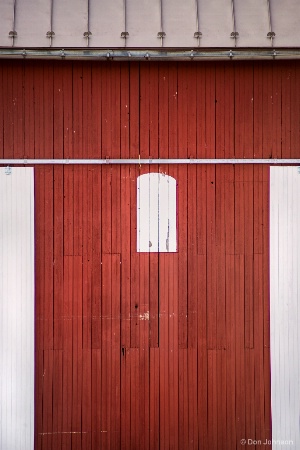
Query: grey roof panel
(70, 21)
(179, 20)
(144, 22)
(285, 18)
(215, 23)
(252, 23)
(107, 22)
(6, 22)
(33, 26)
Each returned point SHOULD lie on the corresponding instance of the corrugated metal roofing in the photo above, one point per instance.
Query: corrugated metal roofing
(153, 24)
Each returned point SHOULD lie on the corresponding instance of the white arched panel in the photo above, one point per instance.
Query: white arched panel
(156, 213)
(16, 309)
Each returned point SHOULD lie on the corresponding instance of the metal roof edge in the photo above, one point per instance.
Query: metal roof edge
(144, 54)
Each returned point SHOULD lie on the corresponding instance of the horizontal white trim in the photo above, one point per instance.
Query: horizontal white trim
(138, 161)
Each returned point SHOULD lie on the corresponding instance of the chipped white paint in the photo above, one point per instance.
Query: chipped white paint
(156, 213)
(285, 305)
(16, 309)
(145, 316)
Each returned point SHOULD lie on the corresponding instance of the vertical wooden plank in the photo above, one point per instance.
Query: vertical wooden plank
(164, 347)
(57, 399)
(106, 353)
(202, 351)
(231, 324)
(259, 387)
(106, 210)
(68, 130)
(92, 109)
(154, 399)
(192, 257)
(125, 399)
(182, 208)
(212, 398)
(134, 264)
(58, 111)
(67, 354)
(90, 329)
(77, 110)
(173, 351)
(77, 354)
(47, 430)
(58, 256)
(96, 246)
(38, 404)
(115, 418)
(192, 399)
(266, 299)
(95, 406)
(133, 361)
(211, 257)
(88, 381)
(18, 111)
(249, 237)
(144, 316)
(183, 399)
(286, 110)
(239, 276)
(9, 105)
(48, 113)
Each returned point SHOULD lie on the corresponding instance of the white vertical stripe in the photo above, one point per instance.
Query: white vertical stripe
(284, 306)
(17, 309)
(156, 214)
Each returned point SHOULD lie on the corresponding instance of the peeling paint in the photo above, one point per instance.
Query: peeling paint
(145, 316)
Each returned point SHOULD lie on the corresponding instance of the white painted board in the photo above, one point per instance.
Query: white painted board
(156, 213)
(285, 306)
(16, 309)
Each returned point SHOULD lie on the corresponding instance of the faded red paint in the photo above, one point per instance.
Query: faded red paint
(197, 373)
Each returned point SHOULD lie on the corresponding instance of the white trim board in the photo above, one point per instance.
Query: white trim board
(16, 309)
(285, 306)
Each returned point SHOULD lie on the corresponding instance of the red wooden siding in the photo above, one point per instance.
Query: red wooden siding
(197, 373)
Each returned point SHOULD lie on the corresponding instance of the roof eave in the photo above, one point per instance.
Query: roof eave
(151, 54)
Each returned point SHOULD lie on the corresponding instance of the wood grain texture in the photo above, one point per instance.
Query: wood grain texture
(151, 350)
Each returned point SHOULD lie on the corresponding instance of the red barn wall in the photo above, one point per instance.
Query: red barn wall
(197, 373)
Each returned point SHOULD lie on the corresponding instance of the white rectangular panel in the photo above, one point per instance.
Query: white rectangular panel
(143, 19)
(156, 213)
(215, 23)
(285, 22)
(252, 23)
(285, 306)
(70, 22)
(180, 23)
(17, 309)
(33, 21)
(107, 23)
(6, 22)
